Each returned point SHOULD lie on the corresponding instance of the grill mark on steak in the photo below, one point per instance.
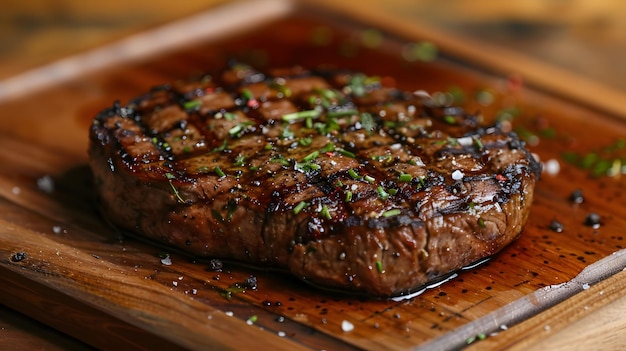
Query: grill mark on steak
(344, 182)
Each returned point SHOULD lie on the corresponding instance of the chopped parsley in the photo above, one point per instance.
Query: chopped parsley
(392, 213)
(325, 212)
(404, 177)
(300, 206)
(192, 105)
(298, 116)
(170, 177)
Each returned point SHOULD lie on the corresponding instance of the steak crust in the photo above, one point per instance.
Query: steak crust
(344, 182)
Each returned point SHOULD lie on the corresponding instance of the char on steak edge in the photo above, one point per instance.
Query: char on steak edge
(343, 182)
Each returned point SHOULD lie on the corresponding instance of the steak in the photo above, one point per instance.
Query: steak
(343, 181)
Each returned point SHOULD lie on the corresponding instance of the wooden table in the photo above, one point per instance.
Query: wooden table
(582, 42)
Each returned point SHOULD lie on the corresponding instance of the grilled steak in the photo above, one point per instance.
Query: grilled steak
(344, 182)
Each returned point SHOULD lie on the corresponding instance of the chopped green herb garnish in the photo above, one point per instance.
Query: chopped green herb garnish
(203, 169)
(404, 177)
(171, 177)
(357, 85)
(392, 191)
(453, 141)
(300, 206)
(230, 116)
(458, 95)
(231, 207)
(232, 290)
(268, 146)
(369, 179)
(217, 215)
(282, 88)
(330, 126)
(354, 174)
(481, 223)
(312, 156)
(221, 147)
(327, 93)
(421, 51)
(507, 114)
(239, 128)
(379, 266)
(346, 153)
(219, 172)
(296, 116)
(239, 161)
(338, 184)
(391, 213)
(192, 105)
(588, 160)
(246, 93)
(382, 158)
(601, 167)
(348, 196)
(570, 156)
(325, 213)
(252, 319)
(306, 167)
(382, 193)
(367, 121)
(286, 133)
(280, 159)
(342, 113)
(478, 143)
(390, 124)
(449, 119)
(422, 182)
(328, 148)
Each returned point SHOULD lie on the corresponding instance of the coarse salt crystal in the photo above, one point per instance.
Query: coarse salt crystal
(229, 313)
(167, 261)
(281, 333)
(585, 286)
(347, 326)
(46, 184)
(465, 141)
(57, 229)
(16, 190)
(457, 175)
(552, 167)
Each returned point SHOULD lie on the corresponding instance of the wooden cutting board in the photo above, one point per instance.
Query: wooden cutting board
(63, 265)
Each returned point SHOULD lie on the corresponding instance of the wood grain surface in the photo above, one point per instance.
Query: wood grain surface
(63, 265)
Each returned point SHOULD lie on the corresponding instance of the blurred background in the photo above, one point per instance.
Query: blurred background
(586, 37)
